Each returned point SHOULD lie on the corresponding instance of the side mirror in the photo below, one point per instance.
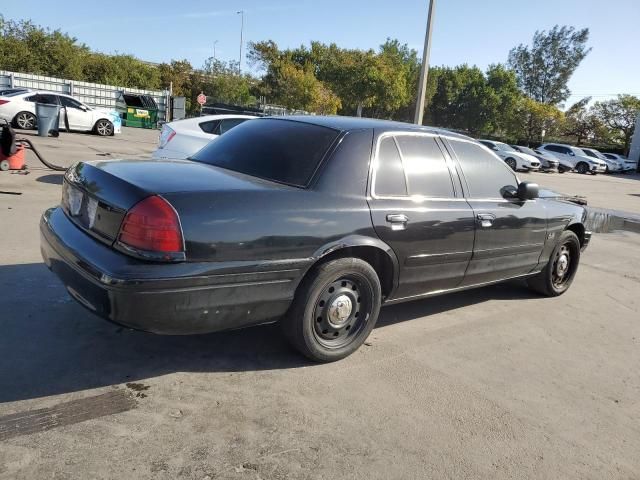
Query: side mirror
(527, 190)
(571, 154)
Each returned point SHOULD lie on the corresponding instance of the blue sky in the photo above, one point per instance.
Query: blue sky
(477, 32)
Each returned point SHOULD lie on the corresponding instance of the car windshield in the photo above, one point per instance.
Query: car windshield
(504, 147)
(284, 151)
(526, 150)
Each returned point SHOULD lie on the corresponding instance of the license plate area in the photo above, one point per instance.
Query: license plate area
(91, 214)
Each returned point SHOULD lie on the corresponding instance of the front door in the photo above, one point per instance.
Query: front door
(417, 211)
(510, 233)
(77, 114)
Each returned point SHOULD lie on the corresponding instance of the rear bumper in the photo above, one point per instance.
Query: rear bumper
(175, 299)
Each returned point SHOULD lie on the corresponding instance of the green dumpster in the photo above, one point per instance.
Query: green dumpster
(139, 111)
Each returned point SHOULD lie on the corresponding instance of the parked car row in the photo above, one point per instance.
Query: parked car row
(18, 106)
(557, 157)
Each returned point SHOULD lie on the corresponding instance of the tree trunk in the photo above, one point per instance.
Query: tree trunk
(359, 110)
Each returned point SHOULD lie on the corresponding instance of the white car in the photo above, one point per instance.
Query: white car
(628, 165)
(19, 108)
(516, 160)
(613, 166)
(183, 138)
(576, 158)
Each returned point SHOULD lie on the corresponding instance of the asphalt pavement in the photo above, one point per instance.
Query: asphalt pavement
(491, 383)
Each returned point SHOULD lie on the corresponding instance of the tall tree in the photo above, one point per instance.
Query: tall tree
(580, 121)
(620, 116)
(544, 68)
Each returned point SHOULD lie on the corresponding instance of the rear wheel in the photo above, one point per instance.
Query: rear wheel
(512, 163)
(4, 165)
(334, 310)
(25, 120)
(104, 128)
(558, 274)
(582, 168)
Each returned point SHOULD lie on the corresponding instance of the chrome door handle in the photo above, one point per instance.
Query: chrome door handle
(398, 221)
(485, 219)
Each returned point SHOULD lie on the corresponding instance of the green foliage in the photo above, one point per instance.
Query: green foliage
(376, 84)
(619, 116)
(514, 102)
(544, 69)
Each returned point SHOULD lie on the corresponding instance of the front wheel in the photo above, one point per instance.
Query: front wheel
(582, 168)
(512, 163)
(104, 128)
(558, 274)
(25, 120)
(334, 310)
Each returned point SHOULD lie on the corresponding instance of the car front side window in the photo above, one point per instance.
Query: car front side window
(70, 103)
(486, 175)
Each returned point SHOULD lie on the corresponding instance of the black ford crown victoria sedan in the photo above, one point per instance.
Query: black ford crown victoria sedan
(315, 221)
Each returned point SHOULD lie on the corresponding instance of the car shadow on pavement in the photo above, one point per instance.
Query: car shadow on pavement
(53, 179)
(50, 345)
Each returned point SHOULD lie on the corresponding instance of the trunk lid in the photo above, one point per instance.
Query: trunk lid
(96, 195)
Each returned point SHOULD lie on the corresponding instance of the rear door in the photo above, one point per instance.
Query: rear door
(417, 209)
(510, 233)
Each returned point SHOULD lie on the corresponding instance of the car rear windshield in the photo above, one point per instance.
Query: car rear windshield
(280, 150)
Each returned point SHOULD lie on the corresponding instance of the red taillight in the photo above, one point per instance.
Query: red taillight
(152, 225)
(2, 102)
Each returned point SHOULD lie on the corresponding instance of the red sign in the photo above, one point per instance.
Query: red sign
(202, 99)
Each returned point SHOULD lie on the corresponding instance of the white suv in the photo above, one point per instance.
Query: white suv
(575, 157)
(19, 108)
(515, 159)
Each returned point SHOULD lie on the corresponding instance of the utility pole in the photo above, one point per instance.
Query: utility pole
(424, 71)
(241, 13)
(214, 49)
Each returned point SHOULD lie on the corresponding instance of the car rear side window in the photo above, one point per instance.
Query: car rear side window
(284, 151)
(210, 127)
(390, 179)
(486, 174)
(425, 166)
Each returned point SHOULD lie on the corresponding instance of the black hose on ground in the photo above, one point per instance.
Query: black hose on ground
(32, 147)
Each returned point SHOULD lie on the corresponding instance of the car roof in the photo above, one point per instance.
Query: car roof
(357, 123)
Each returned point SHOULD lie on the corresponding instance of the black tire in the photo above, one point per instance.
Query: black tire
(561, 170)
(582, 168)
(25, 120)
(321, 324)
(512, 163)
(557, 276)
(104, 128)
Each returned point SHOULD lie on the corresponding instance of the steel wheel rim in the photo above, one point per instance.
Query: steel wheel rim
(342, 311)
(104, 128)
(25, 121)
(562, 267)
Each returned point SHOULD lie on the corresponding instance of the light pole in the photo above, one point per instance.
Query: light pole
(214, 49)
(424, 71)
(241, 13)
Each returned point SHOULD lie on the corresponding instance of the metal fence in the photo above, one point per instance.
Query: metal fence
(93, 94)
